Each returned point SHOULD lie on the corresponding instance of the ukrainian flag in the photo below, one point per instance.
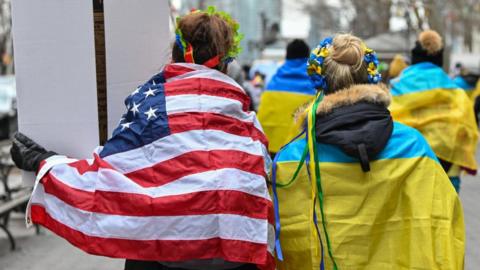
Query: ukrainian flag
(425, 98)
(289, 89)
(403, 214)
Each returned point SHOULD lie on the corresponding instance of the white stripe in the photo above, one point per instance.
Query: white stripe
(210, 104)
(194, 227)
(49, 163)
(113, 181)
(201, 71)
(180, 143)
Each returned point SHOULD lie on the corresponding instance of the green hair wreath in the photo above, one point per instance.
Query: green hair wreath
(234, 50)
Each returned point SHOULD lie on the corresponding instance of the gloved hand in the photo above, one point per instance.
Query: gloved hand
(27, 154)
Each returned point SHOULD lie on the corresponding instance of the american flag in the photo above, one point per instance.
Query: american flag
(182, 178)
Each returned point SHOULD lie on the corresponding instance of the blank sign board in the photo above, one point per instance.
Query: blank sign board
(137, 46)
(55, 75)
(56, 72)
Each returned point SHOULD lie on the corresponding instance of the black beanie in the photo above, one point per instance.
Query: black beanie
(297, 49)
(419, 55)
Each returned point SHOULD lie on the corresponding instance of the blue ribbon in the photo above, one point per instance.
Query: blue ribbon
(276, 207)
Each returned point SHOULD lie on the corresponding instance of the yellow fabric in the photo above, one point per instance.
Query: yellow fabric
(276, 114)
(475, 92)
(445, 118)
(404, 214)
(396, 66)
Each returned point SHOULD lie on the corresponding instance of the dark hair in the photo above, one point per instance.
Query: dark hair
(297, 49)
(209, 35)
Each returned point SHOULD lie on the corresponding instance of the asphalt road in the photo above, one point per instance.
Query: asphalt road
(49, 252)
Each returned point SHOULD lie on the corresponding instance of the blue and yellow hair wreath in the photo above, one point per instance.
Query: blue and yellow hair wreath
(234, 50)
(315, 68)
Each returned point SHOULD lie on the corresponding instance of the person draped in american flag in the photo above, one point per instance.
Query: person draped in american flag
(181, 182)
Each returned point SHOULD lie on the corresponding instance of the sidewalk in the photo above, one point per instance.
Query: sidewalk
(45, 251)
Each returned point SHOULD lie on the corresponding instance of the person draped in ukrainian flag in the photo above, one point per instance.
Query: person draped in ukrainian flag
(289, 89)
(425, 98)
(470, 83)
(357, 190)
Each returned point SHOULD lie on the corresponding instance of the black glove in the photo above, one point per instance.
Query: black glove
(27, 154)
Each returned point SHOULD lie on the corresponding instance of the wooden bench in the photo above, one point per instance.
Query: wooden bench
(13, 198)
(18, 201)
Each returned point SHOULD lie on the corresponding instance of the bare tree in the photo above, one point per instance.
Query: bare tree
(6, 45)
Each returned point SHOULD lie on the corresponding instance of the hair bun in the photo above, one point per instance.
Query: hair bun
(430, 41)
(348, 50)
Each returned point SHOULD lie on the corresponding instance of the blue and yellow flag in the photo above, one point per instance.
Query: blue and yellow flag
(403, 214)
(424, 97)
(289, 89)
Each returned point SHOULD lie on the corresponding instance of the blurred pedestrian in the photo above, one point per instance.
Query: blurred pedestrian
(359, 191)
(181, 182)
(470, 83)
(289, 89)
(396, 67)
(424, 97)
(254, 88)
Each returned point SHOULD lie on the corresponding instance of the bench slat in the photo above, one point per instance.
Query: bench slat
(9, 205)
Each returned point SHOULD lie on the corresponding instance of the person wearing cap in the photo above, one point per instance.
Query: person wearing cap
(289, 89)
(426, 98)
(358, 190)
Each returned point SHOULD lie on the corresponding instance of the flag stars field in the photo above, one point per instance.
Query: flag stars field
(134, 108)
(151, 113)
(136, 91)
(126, 125)
(150, 92)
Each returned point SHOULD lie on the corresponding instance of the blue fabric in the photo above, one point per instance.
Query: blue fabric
(421, 77)
(456, 183)
(292, 77)
(405, 142)
(461, 83)
(141, 130)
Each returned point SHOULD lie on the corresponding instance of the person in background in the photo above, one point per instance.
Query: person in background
(289, 89)
(396, 67)
(426, 98)
(470, 83)
(236, 72)
(254, 88)
(360, 191)
(181, 184)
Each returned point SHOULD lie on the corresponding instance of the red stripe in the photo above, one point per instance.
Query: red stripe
(210, 87)
(157, 250)
(182, 122)
(196, 162)
(173, 70)
(83, 166)
(131, 204)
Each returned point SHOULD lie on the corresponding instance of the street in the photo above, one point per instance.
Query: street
(47, 251)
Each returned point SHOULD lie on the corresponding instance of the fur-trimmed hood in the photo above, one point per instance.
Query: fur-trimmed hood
(370, 93)
(357, 120)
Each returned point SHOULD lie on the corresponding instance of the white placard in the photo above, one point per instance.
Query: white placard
(55, 74)
(137, 41)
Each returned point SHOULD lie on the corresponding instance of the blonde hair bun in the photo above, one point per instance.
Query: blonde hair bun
(430, 41)
(348, 50)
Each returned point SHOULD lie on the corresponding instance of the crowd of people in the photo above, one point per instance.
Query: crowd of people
(342, 169)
